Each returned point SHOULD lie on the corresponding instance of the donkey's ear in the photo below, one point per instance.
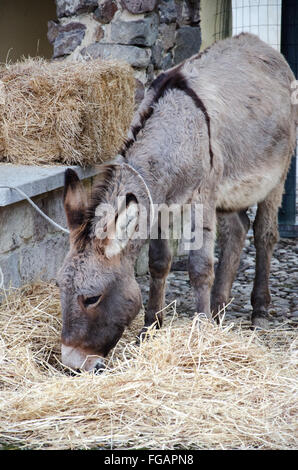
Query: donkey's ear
(75, 199)
(122, 230)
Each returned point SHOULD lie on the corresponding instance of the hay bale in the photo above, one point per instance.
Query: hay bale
(192, 385)
(64, 112)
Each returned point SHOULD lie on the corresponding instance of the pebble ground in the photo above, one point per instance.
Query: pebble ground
(283, 286)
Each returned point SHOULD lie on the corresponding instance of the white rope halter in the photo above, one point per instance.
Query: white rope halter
(152, 212)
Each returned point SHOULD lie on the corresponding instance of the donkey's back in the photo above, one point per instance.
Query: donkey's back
(245, 86)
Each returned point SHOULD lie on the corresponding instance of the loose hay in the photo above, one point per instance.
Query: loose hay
(191, 385)
(64, 112)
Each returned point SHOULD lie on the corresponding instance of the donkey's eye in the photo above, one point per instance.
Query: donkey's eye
(91, 300)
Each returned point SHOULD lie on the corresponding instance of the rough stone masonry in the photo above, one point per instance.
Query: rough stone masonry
(151, 35)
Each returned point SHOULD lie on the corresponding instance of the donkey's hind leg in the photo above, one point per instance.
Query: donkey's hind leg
(265, 237)
(232, 230)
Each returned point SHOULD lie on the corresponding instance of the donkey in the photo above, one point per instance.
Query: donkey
(218, 130)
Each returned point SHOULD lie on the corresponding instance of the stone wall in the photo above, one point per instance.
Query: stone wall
(30, 248)
(151, 35)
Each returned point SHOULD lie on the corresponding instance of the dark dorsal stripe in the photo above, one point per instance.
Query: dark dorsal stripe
(164, 82)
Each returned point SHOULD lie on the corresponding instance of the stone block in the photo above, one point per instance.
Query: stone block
(17, 226)
(65, 38)
(139, 93)
(135, 56)
(167, 11)
(188, 42)
(167, 34)
(139, 6)
(167, 61)
(98, 33)
(41, 261)
(149, 75)
(157, 54)
(105, 11)
(189, 13)
(10, 267)
(72, 7)
(53, 30)
(142, 31)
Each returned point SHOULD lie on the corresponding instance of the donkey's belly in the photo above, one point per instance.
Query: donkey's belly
(236, 194)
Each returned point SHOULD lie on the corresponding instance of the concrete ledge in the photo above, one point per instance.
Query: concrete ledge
(34, 180)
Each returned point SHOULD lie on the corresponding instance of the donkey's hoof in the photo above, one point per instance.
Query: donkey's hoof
(260, 321)
(215, 317)
(145, 333)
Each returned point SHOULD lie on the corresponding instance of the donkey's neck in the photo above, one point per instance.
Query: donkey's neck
(166, 151)
(157, 189)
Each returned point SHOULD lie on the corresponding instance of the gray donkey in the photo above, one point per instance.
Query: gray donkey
(217, 130)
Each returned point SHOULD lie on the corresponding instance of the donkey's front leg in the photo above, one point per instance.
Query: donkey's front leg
(160, 258)
(201, 261)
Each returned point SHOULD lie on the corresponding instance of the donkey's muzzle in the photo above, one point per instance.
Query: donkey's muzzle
(79, 360)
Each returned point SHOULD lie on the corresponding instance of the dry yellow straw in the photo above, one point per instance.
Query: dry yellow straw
(192, 384)
(64, 112)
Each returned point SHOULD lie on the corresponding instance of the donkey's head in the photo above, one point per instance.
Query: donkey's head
(99, 293)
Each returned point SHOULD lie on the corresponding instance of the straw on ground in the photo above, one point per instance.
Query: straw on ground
(193, 384)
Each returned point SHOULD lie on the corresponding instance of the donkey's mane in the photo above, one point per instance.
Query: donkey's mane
(173, 79)
(99, 191)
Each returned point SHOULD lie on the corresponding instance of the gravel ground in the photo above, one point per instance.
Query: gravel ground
(283, 286)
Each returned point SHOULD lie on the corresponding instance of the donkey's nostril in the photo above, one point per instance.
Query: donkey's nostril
(99, 368)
